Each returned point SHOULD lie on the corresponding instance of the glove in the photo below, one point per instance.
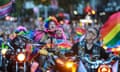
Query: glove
(43, 52)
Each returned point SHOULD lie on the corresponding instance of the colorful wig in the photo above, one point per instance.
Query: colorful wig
(21, 29)
(47, 21)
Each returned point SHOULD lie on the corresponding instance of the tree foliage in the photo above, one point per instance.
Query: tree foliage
(45, 2)
(67, 3)
(2, 2)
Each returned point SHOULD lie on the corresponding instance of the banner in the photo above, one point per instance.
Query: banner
(5, 9)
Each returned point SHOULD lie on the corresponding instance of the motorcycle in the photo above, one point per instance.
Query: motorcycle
(3, 60)
(100, 65)
(3, 57)
(54, 62)
(61, 63)
(17, 59)
(67, 64)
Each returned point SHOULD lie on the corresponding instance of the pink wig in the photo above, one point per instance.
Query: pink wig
(63, 34)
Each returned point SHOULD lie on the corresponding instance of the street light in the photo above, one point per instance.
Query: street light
(93, 12)
(75, 12)
(9, 18)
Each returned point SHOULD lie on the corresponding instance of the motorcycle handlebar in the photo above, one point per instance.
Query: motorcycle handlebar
(25, 37)
(10, 45)
(110, 60)
(37, 44)
(99, 61)
(91, 62)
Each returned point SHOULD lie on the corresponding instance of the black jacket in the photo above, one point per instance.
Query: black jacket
(96, 49)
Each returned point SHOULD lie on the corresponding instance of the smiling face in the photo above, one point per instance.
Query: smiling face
(52, 26)
(91, 35)
(59, 32)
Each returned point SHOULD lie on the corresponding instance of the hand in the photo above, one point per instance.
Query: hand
(110, 55)
(43, 52)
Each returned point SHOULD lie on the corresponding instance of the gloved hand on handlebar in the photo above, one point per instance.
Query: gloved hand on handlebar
(43, 52)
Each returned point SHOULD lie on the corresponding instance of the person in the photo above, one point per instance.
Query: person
(90, 45)
(95, 41)
(17, 40)
(50, 27)
(60, 35)
(66, 28)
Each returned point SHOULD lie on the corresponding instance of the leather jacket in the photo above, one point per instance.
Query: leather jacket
(96, 50)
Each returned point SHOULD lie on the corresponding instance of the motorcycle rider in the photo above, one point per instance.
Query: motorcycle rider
(48, 38)
(90, 46)
(93, 45)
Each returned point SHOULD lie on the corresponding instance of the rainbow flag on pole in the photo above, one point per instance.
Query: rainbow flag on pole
(110, 32)
(64, 46)
(80, 31)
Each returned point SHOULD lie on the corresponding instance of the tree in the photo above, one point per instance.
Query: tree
(18, 6)
(3, 2)
(68, 4)
(44, 2)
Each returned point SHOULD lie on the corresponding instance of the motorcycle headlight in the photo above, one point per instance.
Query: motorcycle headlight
(21, 57)
(48, 71)
(59, 61)
(3, 51)
(69, 64)
(104, 68)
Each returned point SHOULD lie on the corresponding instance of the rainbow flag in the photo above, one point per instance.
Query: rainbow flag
(5, 9)
(116, 50)
(110, 32)
(64, 46)
(80, 31)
